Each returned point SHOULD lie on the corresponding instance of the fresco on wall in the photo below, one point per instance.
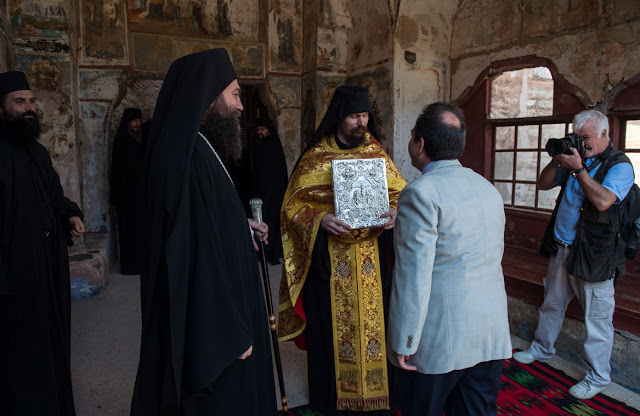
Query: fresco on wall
(5, 56)
(156, 53)
(95, 162)
(140, 93)
(308, 119)
(378, 82)
(104, 32)
(49, 78)
(44, 10)
(219, 19)
(39, 25)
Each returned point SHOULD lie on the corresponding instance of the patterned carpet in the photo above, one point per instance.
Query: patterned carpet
(536, 389)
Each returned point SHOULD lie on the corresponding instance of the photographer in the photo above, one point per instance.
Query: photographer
(586, 206)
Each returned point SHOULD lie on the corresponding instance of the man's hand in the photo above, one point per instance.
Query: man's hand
(77, 226)
(571, 162)
(246, 354)
(332, 224)
(402, 362)
(392, 214)
(263, 228)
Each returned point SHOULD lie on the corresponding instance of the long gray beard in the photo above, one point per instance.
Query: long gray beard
(224, 135)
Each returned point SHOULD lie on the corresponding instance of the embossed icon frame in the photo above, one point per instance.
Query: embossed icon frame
(360, 191)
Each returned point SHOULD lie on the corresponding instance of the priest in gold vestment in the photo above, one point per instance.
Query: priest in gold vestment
(336, 280)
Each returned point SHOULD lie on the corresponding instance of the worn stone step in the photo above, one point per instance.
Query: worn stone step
(89, 265)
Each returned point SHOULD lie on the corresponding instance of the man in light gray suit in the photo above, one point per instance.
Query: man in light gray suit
(448, 326)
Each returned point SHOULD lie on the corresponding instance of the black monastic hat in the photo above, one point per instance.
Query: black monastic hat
(13, 81)
(266, 123)
(131, 114)
(127, 115)
(347, 99)
(192, 83)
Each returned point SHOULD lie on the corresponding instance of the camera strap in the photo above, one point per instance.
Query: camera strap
(599, 158)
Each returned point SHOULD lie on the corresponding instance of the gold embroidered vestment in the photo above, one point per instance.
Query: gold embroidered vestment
(355, 285)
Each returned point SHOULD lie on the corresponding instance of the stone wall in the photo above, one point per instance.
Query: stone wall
(522, 93)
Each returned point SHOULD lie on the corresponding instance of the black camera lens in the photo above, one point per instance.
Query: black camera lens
(557, 147)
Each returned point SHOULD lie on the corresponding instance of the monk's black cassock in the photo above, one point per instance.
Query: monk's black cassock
(269, 183)
(126, 173)
(35, 297)
(202, 301)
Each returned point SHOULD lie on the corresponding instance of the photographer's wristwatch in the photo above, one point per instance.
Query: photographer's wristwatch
(575, 173)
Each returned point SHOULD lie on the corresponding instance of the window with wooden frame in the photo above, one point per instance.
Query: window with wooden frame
(630, 136)
(522, 120)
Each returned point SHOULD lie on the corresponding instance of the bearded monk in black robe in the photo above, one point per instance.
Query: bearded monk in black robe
(36, 223)
(205, 342)
(269, 182)
(126, 172)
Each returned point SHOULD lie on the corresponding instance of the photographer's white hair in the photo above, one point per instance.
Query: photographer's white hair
(600, 121)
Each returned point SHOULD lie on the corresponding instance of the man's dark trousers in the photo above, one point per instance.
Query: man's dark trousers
(471, 391)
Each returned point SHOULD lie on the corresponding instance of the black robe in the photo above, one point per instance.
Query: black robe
(204, 306)
(240, 171)
(202, 301)
(269, 184)
(126, 171)
(35, 294)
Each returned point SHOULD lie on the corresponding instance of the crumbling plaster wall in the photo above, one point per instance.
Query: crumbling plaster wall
(421, 69)
(347, 42)
(399, 50)
(369, 52)
(595, 44)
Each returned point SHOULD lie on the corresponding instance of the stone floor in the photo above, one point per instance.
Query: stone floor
(105, 349)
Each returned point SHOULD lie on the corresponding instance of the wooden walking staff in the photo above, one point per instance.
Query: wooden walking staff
(256, 210)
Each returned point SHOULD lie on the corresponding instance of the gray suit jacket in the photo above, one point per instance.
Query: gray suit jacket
(448, 305)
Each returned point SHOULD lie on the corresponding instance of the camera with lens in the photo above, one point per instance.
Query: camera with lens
(556, 147)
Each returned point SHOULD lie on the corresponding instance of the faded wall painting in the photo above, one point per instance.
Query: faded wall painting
(40, 26)
(45, 12)
(156, 53)
(49, 78)
(104, 37)
(378, 82)
(5, 55)
(285, 33)
(220, 19)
